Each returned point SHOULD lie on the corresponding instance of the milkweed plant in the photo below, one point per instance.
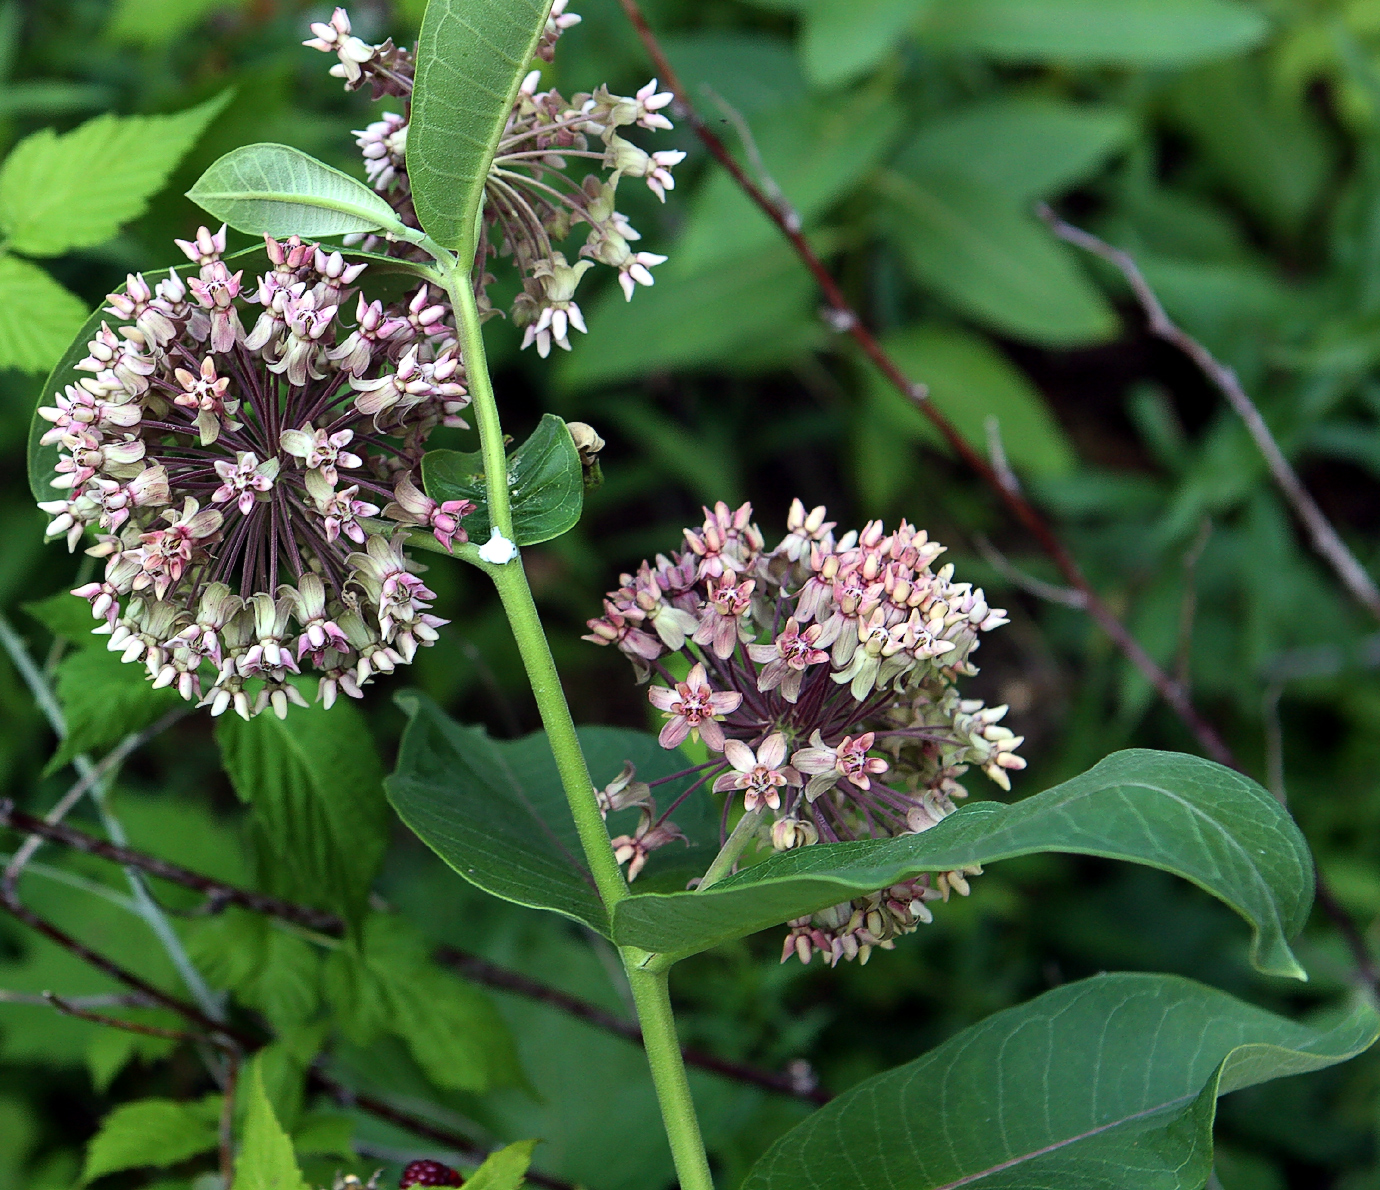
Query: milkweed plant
(241, 444)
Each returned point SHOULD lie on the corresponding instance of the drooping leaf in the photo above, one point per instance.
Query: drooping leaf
(38, 317)
(504, 1169)
(545, 480)
(386, 983)
(159, 1132)
(1166, 810)
(1096, 32)
(843, 39)
(1024, 147)
(265, 1160)
(967, 243)
(495, 812)
(471, 58)
(1106, 1084)
(316, 786)
(75, 190)
(279, 191)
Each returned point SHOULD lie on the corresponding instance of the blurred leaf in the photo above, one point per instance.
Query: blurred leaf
(966, 242)
(75, 190)
(326, 1134)
(1178, 813)
(280, 191)
(753, 72)
(103, 700)
(111, 1049)
(545, 480)
(969, 381)
(158, 1132)
(471, 57)
(846, 138)
(1096, 32)
(265, 1160)
(159, 22)
(268, 969)
(1026, 147)
(755, 313)
(504, 1169)
(388, 984)
(843, 39)
(1106, 1084)
(38, 317)
(316, 786)
(52, 97)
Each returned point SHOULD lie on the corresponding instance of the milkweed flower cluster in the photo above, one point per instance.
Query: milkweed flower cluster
(822, 673)
(227, 445)
(532, 203)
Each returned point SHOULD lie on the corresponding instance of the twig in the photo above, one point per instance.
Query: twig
(227, 1118)
(68, 1008)
(996, 451)
(40, 1000)
(770, 187)
(1326, 540)
(490, 975)
(1067, 596)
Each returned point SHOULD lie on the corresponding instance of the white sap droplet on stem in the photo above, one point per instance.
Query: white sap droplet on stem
(498, 550)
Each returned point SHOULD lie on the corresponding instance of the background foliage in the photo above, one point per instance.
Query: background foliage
(1233, 146)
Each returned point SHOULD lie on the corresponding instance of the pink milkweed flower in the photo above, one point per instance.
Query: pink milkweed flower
(242, 480)
(787, 657)
(634, 849)
(848, 761)
(693, 710)
(412, 506)
(320, 450)
(761, 775)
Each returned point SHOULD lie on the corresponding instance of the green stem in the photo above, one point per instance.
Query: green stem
(649, 989)
(653, 1002)
(732, 849)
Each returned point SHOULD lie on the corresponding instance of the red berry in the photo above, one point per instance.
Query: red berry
(429, 1173)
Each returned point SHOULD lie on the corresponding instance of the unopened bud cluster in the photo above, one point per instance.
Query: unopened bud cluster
(227, 445)
(532, 203)
(823, 670)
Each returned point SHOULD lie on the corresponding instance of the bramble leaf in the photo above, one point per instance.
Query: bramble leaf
(265, 1160)
(504, 1169)
(1106, 1084)
(38, 317)
(158, 1132)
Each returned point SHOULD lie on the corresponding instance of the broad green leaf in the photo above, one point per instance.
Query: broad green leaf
(1096, 32)
(752, 71)
(755, 314)
(967, 242)
(278, 191)
(158, 1132)
(265, 1160)
(38, 317)
(1110, 1083)
(75, 190)
(1026, 147)
(159, 22)
(386, 983)
(846, 138)
(471, 58)
(844, 39)
(268, 969)
(52, 97)
(545, 481)
(495, 812)
(1175, 812)
(504, 1169)
(969, 381)
(325, 1134)
(316, 787)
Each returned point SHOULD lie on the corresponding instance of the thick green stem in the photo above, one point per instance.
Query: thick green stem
(732, 849)
(653, 1002)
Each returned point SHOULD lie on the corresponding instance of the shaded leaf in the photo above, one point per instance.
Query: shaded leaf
(1175, 812)
(316, 786)
(545, 481)
(38, 317)
(279, 191)
(158, 1132)
(75, 190)
(158, 22)
(1096, 32)
(1106, 1084)
(966, 242)
(752, 71)
(265, 1160)
(471, 58)
(844, 39)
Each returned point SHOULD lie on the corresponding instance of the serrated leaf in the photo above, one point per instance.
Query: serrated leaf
(1096, 32)
(159, 1132)
(495, 812)
(966, 242)
(545, 483)
(75, 190)
(1178, 813)
(276, 190)
(471, 58)
(316, 786)
(103, 700)
(265, 1160)
(1106, 1084)
(38, 317)
(504, 1169)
